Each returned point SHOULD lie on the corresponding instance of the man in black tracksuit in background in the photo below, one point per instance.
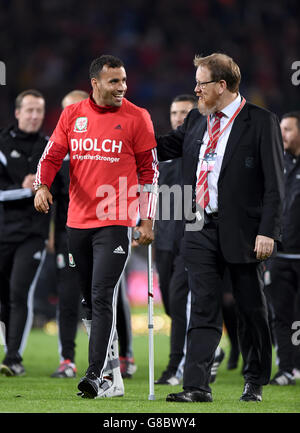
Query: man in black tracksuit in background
(285, 268)
(23, 231)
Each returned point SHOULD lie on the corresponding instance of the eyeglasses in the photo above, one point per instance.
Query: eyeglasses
(203, 84)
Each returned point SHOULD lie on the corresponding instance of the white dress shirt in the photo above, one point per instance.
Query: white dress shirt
(213, 176)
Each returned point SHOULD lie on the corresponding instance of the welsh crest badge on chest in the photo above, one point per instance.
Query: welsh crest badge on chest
(81, 124)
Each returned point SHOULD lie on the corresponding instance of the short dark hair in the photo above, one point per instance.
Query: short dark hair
(295, 115)
(22, 95)
(106, 59)
(186, 97)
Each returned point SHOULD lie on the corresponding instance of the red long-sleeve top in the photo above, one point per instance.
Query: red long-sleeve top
(113, 163)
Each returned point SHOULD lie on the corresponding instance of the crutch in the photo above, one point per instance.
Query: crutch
(151, 396)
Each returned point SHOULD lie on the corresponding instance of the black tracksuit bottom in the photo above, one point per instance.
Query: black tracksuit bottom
(99, 257)
(124, 329)
(179, 290)
(164, 261)
(20, 266)
(282, 292)
(69, 296)
(206, 265)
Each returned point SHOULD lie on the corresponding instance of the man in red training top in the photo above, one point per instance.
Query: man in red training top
(113, 172)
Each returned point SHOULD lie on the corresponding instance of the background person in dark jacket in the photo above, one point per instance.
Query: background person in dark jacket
(23, 231)
(285, 267)
(168, 233)
(173, 281)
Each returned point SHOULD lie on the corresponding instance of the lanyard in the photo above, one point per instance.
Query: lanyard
(216, 137)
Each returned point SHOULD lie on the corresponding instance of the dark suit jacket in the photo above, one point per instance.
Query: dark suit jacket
(168, 233)
(250, 186)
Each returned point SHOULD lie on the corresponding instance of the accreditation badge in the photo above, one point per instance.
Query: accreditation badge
(210, 159)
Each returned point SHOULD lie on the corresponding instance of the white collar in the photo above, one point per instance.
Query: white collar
(231, 108)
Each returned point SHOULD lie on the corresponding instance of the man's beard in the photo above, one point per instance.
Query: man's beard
(206, 110)
(208, 107)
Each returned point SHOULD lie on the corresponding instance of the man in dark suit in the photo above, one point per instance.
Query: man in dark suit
(233, 162)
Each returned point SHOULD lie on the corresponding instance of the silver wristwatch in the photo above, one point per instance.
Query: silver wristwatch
(38, 186)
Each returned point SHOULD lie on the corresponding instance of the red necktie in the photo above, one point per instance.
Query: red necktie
(202, 193)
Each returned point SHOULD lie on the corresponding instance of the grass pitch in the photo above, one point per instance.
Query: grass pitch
(36, 392)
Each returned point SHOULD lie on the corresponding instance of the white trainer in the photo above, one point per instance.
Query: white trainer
(112, 384)
(111, 387)
(296, 373)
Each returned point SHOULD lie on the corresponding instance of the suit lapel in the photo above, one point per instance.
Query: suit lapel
(199, 134)
(239, 126)
(193, 148)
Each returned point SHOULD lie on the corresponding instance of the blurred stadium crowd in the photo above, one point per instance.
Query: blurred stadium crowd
(49, 45)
